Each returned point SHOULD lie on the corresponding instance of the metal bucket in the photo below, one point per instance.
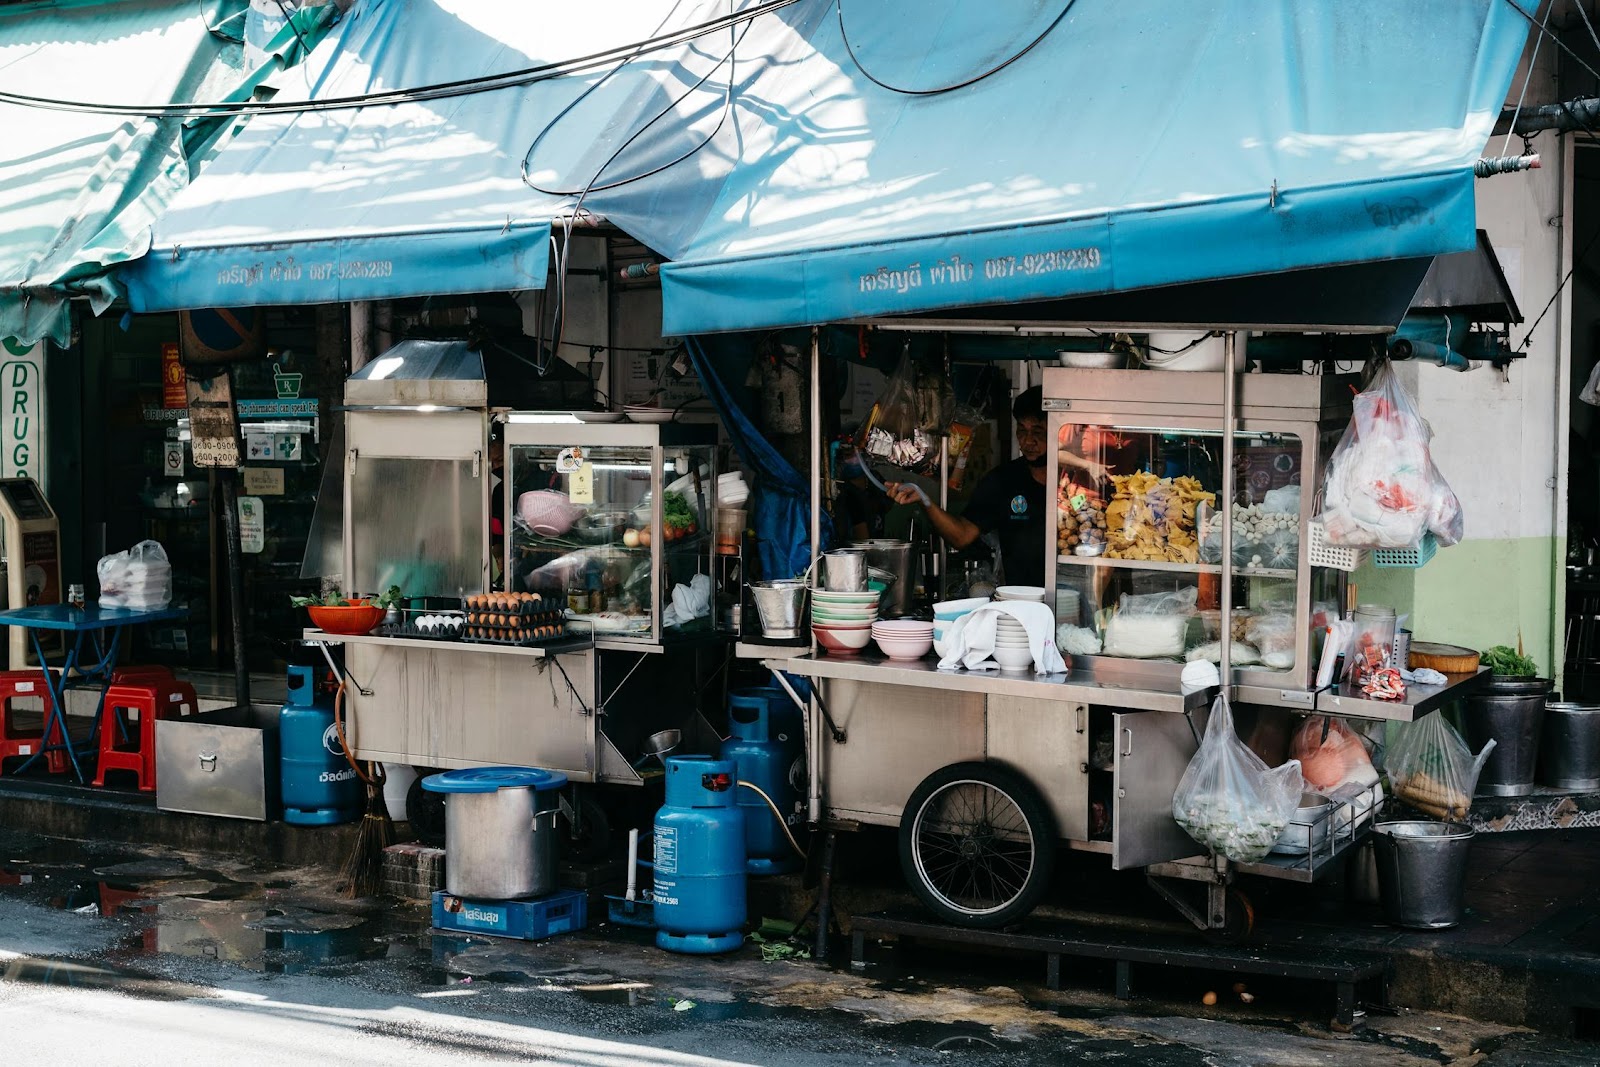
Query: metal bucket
(844, 570)
(500, 831)
(1422, 872)
(1511, 711)
(1569, 757)
(897, 558)
(778, 603)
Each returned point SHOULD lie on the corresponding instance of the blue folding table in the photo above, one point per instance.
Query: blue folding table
(89, 627)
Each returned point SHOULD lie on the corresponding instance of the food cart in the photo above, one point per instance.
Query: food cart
(987, 774)
(548, 645)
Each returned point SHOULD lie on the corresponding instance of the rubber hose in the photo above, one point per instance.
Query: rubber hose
(782, 825)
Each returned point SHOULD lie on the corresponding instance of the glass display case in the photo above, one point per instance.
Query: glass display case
(615, 522)
(1136, 533)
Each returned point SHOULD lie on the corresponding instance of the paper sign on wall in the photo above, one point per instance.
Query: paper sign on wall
(263, 481)
(172, 459)
(252, 524)
(260, 447)
(580, 484)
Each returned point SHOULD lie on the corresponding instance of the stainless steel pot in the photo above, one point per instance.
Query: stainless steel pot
(500, 831)
(897, 558)
(1511, 711)
(1569, 757)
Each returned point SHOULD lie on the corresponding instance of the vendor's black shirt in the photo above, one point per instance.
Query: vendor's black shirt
(1010, 502)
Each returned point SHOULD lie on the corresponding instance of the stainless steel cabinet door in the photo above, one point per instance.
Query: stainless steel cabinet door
(1153, 748)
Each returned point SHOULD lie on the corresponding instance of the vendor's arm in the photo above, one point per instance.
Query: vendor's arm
(957, 531)
(1097, 471)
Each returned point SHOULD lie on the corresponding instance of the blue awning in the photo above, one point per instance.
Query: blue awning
(425, 196)
(1132, 146)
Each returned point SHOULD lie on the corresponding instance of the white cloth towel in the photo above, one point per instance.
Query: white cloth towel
(970, 642)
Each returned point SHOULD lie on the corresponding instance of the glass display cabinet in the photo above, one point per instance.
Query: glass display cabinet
(1136, 533)
(615, 522)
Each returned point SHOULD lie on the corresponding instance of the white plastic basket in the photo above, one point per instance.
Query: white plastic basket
(1335, 557)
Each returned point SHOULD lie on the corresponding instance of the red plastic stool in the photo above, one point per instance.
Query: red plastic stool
(128, 731)
(177, 698)
(17, 740)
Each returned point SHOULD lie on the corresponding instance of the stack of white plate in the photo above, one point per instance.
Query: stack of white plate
(648, 413)
(904, 639)
(1034, 593)
(1011, 648)
(732, 491)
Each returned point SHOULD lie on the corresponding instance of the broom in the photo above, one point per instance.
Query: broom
(363, 870)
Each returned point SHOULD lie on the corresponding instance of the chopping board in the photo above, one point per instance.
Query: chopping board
(1446, 659)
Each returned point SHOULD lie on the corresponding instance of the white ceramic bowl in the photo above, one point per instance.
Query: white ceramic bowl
(1033, 593)
(904, 627)
(843, 613)
(829, 596)
(950, 610)
(841, 642)
(1013, 660)
(905, 649)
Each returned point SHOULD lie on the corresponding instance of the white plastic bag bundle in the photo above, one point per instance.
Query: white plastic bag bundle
(1382, 489)
(1229, 800)
(139, 578)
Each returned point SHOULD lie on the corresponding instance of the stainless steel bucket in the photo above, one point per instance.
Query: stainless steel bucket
(778, 604)
(844, 570)
(1511, 711)
(1569, 756)
(500, 830)
(897, 558)
(1422, 872)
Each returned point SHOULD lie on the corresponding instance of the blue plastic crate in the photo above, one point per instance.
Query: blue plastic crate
(1410, 558)
(527, 920)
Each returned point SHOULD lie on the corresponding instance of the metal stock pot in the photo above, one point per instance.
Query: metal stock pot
(500, 831)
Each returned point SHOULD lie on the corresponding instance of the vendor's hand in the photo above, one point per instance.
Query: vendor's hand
(908, 493)
(1099, 471)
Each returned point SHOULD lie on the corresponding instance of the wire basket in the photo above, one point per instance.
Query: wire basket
(1321, 553)
(1409, 558)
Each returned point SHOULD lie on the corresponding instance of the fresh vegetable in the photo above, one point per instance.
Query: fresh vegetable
(336, 599)
(1507, 662)
(390, 598)
(676, 514)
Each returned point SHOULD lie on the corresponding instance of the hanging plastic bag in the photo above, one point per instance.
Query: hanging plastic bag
(1382, 488)
(1229, 800)
(139, 578)
(905, 424)
(1432, 769)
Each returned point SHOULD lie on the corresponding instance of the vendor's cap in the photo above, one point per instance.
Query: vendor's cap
(1029, 404)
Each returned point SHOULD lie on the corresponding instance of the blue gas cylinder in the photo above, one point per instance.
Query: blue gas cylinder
(319, 785)
(768, 752)
(699, 858)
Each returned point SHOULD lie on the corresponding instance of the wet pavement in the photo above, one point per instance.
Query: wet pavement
(147, 956)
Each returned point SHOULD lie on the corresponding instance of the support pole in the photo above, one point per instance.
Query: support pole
(817, 464)
(227, 479)
(360, 334)
(1225, 510)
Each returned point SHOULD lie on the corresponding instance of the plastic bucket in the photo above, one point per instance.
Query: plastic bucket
(1422, 872)
(1511, 711)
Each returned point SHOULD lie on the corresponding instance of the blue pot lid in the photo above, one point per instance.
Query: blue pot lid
(493, 779)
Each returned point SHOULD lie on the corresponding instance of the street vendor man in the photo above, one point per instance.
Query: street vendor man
(1010, 500)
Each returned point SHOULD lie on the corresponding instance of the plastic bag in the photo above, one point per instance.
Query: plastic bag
(139, 578)
(1229, 800)
(1382, 488)
(1152, 626)
(1432, 769)
(906, 423)
(1331, 754)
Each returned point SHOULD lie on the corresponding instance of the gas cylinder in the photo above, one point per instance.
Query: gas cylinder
(699, 858)
(767, 752)
(319, 785)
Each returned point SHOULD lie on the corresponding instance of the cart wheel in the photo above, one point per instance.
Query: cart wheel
(425, 811)
(977, 844)
(588, 839)
(1239, 919)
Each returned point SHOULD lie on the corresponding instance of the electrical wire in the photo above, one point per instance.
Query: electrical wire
(1545, 31)
(434, 91)
(875, 80)
(1527, 78)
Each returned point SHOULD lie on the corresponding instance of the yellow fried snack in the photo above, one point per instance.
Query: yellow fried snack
(1153, 519)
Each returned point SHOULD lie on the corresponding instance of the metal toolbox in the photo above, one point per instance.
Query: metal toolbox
(222, 762)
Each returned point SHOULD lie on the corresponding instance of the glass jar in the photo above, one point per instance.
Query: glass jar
(1372, 643)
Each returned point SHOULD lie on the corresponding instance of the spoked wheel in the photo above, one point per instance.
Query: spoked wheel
(1239, 919)
(977, 844)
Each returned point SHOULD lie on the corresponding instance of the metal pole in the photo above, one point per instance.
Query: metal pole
(817, 465)
(360, 334)
(227, 480)
(1225, 510)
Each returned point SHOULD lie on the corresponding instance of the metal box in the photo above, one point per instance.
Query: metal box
(222, 762)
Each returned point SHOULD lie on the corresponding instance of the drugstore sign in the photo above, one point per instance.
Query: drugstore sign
(22, 410)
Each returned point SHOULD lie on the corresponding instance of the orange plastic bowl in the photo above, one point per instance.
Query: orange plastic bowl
(351, 619)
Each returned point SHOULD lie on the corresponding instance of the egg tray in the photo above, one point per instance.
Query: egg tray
(514, 620)
(409, 628)
(538, 634)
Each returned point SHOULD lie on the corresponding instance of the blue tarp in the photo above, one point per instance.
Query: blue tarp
(1135, 145)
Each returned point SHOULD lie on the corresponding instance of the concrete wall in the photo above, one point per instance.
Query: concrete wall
(1501, 438)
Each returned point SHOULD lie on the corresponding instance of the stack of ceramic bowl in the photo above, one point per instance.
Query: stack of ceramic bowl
(1011, 648)
(842, 622)
(945, 614)
(1034, 593)
(903, 638)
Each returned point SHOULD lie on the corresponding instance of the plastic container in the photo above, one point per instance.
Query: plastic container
(1372, 644)
(1422, 872)
(730, 530)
